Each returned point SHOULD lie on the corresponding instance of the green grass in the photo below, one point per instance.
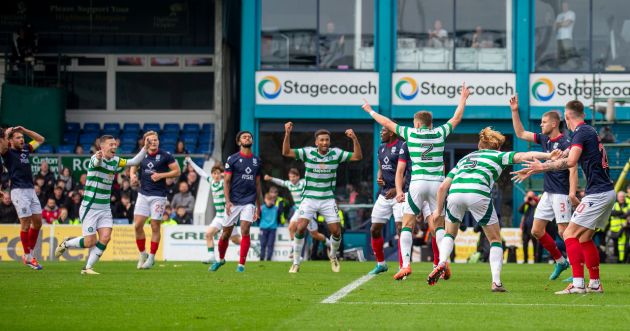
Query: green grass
(186, 296)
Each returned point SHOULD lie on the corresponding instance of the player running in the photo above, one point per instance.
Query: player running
(242, 197)
(218, 201)
(560, 186)
(469, 184)
(27, 205)
(426, 148)
(95, 211)
(296, 187)
(390, 153)
(321, 164)
(594, 210)
(154, 169)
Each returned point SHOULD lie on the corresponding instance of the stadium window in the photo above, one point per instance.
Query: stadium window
(481, 36)
(562, 35)
(86, 90)
(165, 90)
(611, 35)
(327, 34)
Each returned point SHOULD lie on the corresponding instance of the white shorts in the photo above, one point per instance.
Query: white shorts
(327, 208)
(26, 202)
(384, 209)
(150, 206)
(553, 206)
(217, 223)
(244, 213)
(95, 219)
(312, 224)
(426, 210)
(594, 210)
(421, 191)
(479, 206)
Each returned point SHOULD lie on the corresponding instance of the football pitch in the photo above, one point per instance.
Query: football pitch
(183, 295)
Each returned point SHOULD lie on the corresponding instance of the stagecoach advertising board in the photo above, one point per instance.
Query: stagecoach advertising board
(556, 90)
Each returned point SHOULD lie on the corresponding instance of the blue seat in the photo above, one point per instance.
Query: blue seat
(65, 149)
(168, 147)
(73, 127)
(208, 127)
(204, 149)
(87, 138)
(86, 148)
(45, 148)
(111, 127)
(151, 127)
(131, 127)
(191, 127)
(70, 138)
(128, 140)
(91, 127)
(190, 140)
(111, 132)
(168, 140)
(125, 149)
(171, 127)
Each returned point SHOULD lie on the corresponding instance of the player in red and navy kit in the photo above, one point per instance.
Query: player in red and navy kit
(23, 195)
(560, 186)
(242, 197)
(386, 204)
(594, 210)
(156, 166)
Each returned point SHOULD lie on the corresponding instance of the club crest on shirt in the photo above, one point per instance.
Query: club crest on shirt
(157, 158)
(555, 145)
(255, 161)
(394, 149)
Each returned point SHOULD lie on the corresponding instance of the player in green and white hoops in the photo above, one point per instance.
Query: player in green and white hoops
(296, 187)
(218, 201)
(95, 211)
(470, 183)
(321, 165)
(426, 150)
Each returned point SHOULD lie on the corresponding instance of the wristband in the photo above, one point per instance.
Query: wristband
(372, 113)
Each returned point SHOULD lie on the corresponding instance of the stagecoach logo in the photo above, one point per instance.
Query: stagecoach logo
(543, 89)
(269, 87)
(406, 88)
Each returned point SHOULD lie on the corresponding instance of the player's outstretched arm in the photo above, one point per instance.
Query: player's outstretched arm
(529, 156)
(459, 112)
(286, 143)
(357, 154)
(136, 160)
(519, 130)
(380, 119)
(202, 173)
(275, 180)
(536, 167)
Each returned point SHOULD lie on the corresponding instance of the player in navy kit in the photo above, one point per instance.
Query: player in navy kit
(151, 202)
(23, 195)
(594, 210)
(386, 204)
(242, 197)
(560, 186)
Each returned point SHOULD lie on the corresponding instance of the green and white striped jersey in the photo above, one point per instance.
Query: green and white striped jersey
(100, 178)
(218, 197)
(296, 190)
(426, 149)
(477, 171)
(321, 171)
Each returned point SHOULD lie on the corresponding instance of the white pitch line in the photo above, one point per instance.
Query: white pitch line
(347, 289)
(483, 304)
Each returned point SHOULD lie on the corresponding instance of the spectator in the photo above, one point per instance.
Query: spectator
(331, 46)
(66, 176)
(58, 196)
(167, 219)
(171, 188)
(40, 195)
(564, 33)
(606, 135)
(283, 211)
(269, 217)
(618, 225)
(73, 205)
(63, 216)
(79, 150)
(8, 215)
(24, 44)
(127, 189)
(193, 182)
(438, 36)
(184, 198)
(182, 216)
(180, 148)
(51, 212)
(124, 208)
(81, 184)
(527, 222)
(481, 39)
(47, 175)
(95, 146)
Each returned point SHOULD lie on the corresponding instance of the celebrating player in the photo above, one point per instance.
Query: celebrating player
(218, 201)
(470, 183)
(27, 205)
(426, 148)
(321, 164)
(95, 211)
(154, 169)
(594, 210)
(560, 186)
(296, 186)
(242, 197)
